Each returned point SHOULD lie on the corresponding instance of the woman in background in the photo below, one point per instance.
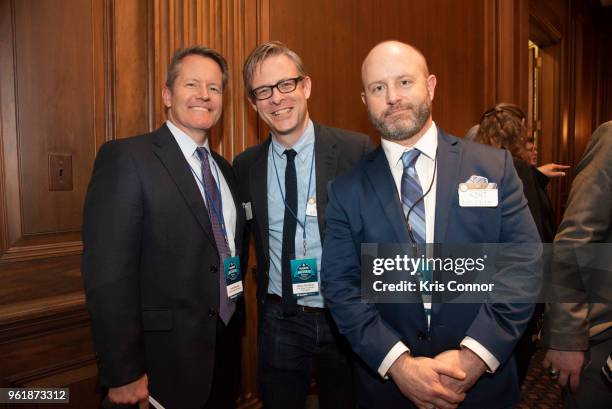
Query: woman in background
(503, 126)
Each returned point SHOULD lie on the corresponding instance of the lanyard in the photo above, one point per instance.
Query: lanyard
(217, 212)
(280, 188)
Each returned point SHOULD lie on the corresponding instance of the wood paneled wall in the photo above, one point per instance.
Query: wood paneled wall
(603, 75)
(574, 37)
(38, 119)
(463, 41)
(76, 73)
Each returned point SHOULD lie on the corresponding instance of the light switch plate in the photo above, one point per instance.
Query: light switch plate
(60, 171)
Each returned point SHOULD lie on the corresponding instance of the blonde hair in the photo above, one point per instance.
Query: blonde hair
(262, 53)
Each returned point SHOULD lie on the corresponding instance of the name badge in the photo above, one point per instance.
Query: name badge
(304, 277)
(478, 194)
(425, 273)
(233, 277)
(248, 211)
(311, 207)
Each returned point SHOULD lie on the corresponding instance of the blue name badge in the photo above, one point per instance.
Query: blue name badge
(304, 277)
(233, 278)
(425, 273)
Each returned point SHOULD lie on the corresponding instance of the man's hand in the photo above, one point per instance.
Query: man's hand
(133, 393)
(553, 170)
(419, 380)
(468, 362)
(568, 363)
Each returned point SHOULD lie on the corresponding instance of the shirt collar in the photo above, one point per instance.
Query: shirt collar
(302, 145)
(428, 144)
(187, 145)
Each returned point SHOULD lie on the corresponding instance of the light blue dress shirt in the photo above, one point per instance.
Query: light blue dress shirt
(276, 210)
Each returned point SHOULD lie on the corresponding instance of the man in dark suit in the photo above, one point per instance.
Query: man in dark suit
(406, 191)
(283, 186)
(162, 231)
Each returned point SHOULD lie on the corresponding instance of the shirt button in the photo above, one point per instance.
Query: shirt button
(421, 336)
(212, 312)
(213, 269)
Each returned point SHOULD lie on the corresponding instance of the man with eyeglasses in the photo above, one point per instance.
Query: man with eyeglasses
(283, 184)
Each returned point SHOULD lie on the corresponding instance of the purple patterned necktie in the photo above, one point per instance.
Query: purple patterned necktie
(215, 213)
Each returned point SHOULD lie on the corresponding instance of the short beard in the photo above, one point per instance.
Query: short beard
(394, 132)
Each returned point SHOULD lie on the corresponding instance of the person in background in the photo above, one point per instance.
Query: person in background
(532, 151)
(547, 171)
(578, 335)
(470, 135)
(503, 126)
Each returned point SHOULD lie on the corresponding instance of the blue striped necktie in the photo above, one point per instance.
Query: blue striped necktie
(412, 193)
(412, 198)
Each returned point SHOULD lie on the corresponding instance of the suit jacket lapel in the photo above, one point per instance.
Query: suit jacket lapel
(169, 153)
(449, 158)
(382, 182)
(326, 159)
(259, 193)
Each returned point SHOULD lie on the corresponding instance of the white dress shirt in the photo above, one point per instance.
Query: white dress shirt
(189, 147)
(425, 165)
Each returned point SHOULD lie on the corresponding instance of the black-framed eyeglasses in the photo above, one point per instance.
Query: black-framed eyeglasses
(284, 87)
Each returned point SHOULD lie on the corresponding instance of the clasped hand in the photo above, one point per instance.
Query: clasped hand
(468, 362)
(437, 383)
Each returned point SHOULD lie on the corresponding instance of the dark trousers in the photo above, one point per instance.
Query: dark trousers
(527, 344)
(287, 348)
(226, 374)
(593, 392)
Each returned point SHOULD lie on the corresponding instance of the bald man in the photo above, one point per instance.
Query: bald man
(422, 354)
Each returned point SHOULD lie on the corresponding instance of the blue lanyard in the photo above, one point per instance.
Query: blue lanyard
(280, 188)
(217, 212)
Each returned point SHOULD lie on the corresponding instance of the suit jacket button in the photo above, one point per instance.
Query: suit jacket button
(421, 336)
(213, 269)
(212, 312)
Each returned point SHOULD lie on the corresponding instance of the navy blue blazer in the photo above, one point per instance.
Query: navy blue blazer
(364, 207)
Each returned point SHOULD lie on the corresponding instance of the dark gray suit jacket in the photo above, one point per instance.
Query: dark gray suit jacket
(151, 268)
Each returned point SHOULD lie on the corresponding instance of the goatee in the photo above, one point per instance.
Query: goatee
(402, 129)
